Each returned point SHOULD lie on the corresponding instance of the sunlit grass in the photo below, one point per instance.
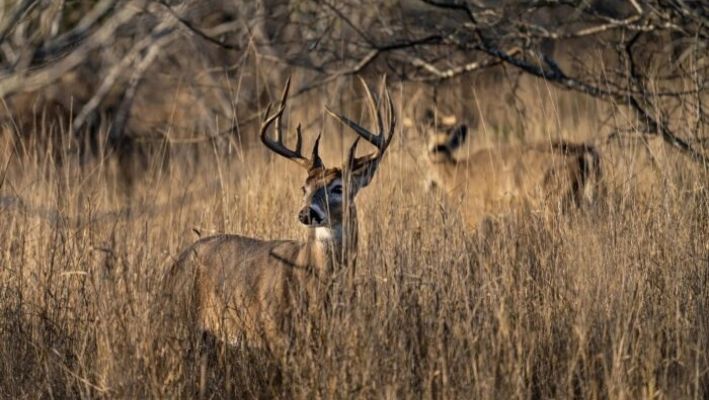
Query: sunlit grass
(610, 302)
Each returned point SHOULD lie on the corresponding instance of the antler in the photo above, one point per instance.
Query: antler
(380, 140)
(278, 147)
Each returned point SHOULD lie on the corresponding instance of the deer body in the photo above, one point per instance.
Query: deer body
(241, 287)
(493, 181)
(245, 286)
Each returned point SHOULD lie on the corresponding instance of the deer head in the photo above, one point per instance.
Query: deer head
(445, 136)
(329, 192)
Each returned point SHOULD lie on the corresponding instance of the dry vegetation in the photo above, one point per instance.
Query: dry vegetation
(127, 130)
(610, 303)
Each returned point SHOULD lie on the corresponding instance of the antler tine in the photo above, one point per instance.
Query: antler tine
(376, 140)
(352, 156)
(277, 145)
(380, 140)
(281, 107)
(298, 140)
(392, 113)
(374, 110)
(367, 135)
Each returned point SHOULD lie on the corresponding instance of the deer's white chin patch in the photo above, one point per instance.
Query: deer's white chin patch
(327, 233)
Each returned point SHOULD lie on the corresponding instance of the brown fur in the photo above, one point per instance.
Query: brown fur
(241, 287)
(235, 287)
(323, 175)
(493, 181)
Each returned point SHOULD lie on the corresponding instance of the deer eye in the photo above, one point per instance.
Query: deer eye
(336, 190)
(302, 188)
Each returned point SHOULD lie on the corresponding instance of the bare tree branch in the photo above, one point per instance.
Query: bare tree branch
(41, 76)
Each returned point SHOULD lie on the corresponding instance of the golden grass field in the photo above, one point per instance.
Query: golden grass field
(608, 302)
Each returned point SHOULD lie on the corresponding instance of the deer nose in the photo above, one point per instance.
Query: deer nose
(308, 216)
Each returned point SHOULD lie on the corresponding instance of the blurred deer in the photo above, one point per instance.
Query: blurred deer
(545, 175)
(243, 287)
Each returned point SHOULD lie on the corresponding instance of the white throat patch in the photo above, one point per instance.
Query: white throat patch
(327, 234)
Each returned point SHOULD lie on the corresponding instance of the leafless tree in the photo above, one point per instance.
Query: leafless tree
(649, 57)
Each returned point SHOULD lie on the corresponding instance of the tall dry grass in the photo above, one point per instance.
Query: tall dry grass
(612, 302)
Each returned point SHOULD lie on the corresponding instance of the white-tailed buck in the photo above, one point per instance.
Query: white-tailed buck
(489, 182)
(242, 287)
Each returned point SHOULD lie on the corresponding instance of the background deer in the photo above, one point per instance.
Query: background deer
(240, 286)
(542, 175)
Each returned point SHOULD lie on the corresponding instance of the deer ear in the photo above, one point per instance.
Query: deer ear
(457, 136)
(361, 174)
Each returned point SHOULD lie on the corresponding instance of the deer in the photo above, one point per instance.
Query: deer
(246, 288)
(555, 175)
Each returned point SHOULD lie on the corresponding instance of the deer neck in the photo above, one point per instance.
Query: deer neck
(331, 247)
(442, 160)
(441, 171)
